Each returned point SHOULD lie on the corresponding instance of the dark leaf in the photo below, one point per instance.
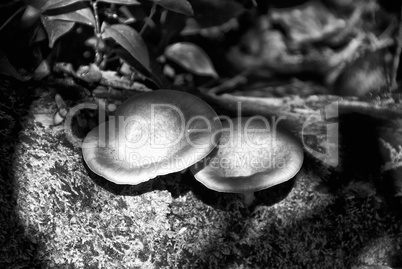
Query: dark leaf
(7, 69)
(35, 3)
(37, 35)
(192, 58)
(180, 6)
(130, 40)
(53, 4)
(121, 2)
(210, 13)
(56, 28)
(83, 15)
(153, 73)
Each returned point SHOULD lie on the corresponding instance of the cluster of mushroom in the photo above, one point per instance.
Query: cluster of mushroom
(166, 131)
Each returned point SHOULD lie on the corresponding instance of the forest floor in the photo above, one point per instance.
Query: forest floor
(55, 213)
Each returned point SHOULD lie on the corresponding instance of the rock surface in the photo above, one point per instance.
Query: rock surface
(56, 214)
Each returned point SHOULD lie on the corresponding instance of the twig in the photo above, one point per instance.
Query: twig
(96, 15)
(231, 83)
(11, 17)
(98, 34)
(296, 108)
(147, 21)
(395, 66)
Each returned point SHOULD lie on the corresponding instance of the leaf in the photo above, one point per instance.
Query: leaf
(211, 13)
(153, 73)
(179, 6)
(29, 17)
(42, 71)
(56, 29)
(130, 40)
(7, 69)
(192, 58)
(53, 4)
(121, 2)
(83, 15)
(38, 34)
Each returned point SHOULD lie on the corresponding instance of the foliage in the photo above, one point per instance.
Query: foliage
(116, 32)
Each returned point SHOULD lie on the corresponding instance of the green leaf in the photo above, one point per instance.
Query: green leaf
(53, 4)
(121, 2)
(192, 58)
(56, 28)
(130, 40)
(179, 6)
(83, 15)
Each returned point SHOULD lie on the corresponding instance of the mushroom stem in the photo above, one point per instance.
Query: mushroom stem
(248, 197)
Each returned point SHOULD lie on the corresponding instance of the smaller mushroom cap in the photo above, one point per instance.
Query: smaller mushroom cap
(151, 134)
(251, 156)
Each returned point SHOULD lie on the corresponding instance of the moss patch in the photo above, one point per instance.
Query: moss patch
(56, 214)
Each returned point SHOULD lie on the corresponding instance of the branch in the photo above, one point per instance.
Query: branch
(297, 109)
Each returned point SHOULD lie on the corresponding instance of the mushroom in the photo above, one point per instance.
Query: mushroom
(151, 134)
(251, 156)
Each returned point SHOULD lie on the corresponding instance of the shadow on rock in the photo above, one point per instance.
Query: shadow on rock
(178, 184)
(17, 249)
(342, 235)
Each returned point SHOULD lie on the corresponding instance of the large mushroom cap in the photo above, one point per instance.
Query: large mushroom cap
(151, 134)
(252, 155)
